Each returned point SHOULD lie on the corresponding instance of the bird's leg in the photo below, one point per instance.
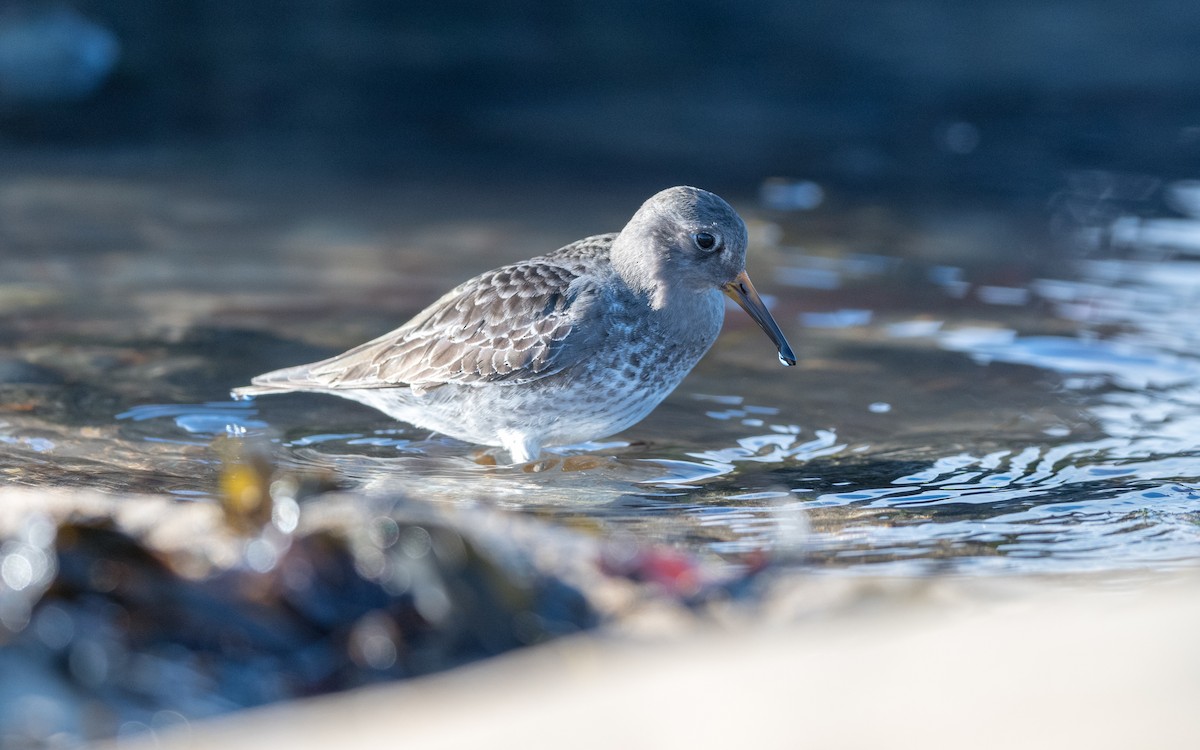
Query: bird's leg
(520, 445)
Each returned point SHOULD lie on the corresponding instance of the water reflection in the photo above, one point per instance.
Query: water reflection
(200, 420)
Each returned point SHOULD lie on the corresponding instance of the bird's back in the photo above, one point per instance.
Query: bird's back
(511, 325)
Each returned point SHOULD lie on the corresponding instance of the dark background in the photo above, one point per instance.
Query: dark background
(998, 98)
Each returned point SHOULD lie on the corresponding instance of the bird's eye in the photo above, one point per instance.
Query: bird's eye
(706, 240)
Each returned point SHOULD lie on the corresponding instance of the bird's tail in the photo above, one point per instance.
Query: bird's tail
(279, 381)
(250, 391)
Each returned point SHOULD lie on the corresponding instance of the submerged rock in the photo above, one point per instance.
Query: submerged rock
(18, 371)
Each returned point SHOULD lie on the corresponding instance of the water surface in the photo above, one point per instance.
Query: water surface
(989, 408)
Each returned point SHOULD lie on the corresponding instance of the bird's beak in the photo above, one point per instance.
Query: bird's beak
(741, 291)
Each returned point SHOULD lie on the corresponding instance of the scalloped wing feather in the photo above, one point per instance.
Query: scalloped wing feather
(512, 325)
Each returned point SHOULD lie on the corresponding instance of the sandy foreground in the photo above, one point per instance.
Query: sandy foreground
(1062, 663)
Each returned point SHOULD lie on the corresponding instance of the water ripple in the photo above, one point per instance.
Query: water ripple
(211, 418)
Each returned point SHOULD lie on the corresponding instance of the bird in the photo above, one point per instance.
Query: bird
(561, 349)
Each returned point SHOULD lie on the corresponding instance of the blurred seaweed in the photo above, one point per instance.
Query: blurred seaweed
(106, 626)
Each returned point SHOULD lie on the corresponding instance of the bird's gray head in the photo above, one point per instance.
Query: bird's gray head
(688, 241)
(682, 239)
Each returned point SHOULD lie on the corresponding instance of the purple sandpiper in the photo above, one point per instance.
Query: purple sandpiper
(564, 348)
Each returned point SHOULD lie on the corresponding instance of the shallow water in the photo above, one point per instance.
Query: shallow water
(1008, 404)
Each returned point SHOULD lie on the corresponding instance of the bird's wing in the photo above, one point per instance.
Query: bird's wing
(512, 325)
